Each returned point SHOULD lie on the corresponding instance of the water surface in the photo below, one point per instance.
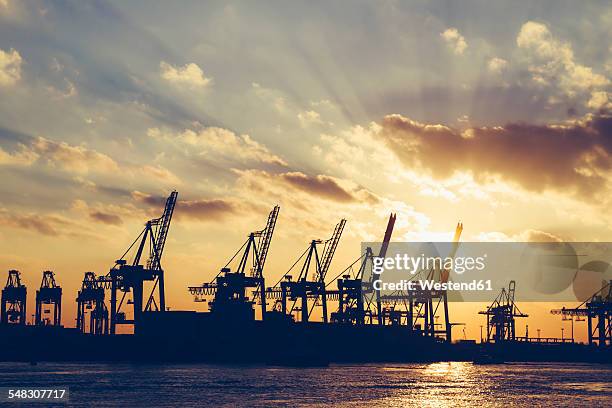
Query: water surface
(449, 384)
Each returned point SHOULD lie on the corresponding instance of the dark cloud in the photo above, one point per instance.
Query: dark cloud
(114, 191)
(205, 209)
(10, 136)
(327, 187)
(150, 200)
(574, 158)
(105, 218)
(199, 209)
(319, 185)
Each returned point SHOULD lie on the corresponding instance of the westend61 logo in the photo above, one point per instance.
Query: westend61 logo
(411, 264)
(543, 271)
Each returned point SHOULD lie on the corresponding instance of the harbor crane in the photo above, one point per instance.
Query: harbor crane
(501, 316)
(14, 300)
(354, 295)
(303, 289)
(598, 311)
(125, 277)
(230, 288)
(90, 300)
(419, 308)
(49, 295)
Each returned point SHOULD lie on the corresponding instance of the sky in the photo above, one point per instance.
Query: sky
(495, 114)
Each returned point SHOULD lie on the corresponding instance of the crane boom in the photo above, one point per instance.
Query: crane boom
(330, 249)
(265, 237)
(163, 225)
(387, 238)
(582, 309)
(570, 312)
(444, 274)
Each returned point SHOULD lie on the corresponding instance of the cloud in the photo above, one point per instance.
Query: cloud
(454, 40)
(309, 118)
(67, 89)
(190, 74)
(539, 236)
(54, 224)
(319, 186)
(551, 63)
(574, 158)
(148, 199)
(58, 154)
(213, 142)
(600, 101)
(160, 173)
(21, 157)
(198, 209)
(10, 67)
(205, 209)
(105, 218)
(104, 214)
(80, 160)
(497, 65)
(528, 235)
(73, 158)
(44, 224)
(270, 96)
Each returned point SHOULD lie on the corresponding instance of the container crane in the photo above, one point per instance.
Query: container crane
(14, 300)
(49, 294)
(130, 277)
(500, 316)
(304, 289)
(598, 311)
(353, 291)
(91, 298)
(419, 308)
(230, 288)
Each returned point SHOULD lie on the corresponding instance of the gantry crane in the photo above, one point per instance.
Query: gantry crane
(90, 299)
(304, 289)
(419, 308)
(229, 288)
(49, 294)
(354, 295)
(14, 300)
(599, 308)
(127, 277)
(500, 316)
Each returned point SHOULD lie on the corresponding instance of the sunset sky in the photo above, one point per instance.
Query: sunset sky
(496, 115)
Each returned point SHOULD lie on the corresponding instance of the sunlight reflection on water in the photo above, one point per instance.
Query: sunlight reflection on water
(448, 384)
